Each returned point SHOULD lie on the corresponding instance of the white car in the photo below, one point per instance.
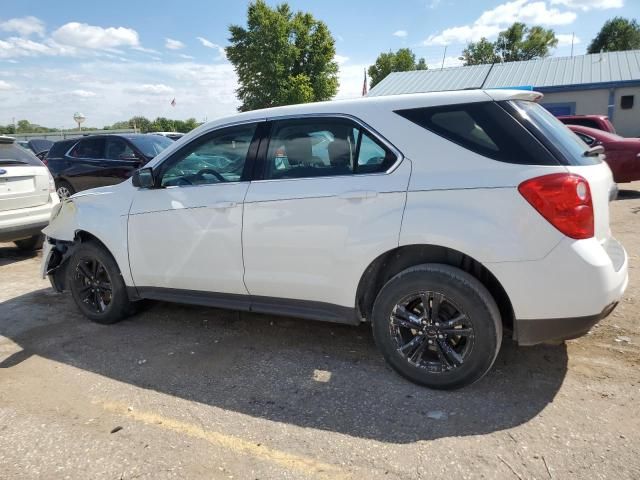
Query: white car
(27, 196)
(443, 219)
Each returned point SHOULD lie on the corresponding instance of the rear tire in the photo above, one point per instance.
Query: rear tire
(451, 343)
(96, 284)
(64, 189)
(30, 244)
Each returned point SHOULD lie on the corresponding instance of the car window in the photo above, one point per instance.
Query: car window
(586, 138)
(118, 149)
(151, 145)
(14, 154)
(484, 128)
(60, 148)
(302, 148)
(219, 157)
(88, 148)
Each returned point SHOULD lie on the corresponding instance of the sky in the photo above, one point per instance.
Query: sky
(113, 60)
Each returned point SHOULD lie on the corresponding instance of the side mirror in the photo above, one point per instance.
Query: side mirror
(143, 178)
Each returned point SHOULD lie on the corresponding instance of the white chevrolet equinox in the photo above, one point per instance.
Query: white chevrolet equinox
(443, 219)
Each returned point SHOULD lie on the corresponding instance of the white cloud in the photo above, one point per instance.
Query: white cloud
(434, 4)
(565, 39)
(215, 46)
(82, 35)
(452, 61)
(13, 47)
(82, 93)
(172, 44)
(5, 85)
(586, 5)
(152, 89)
(400, 33)
(186, 57)
(24, 26)
(491, 22)
(351, 80)
(340, 59)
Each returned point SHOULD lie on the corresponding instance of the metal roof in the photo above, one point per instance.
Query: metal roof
(550, 72)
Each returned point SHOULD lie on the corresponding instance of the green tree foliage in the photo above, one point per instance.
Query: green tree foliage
(282, 57)
(404, 60)
(516, 43)
(480, 52)
(24, 126)
(615, 35)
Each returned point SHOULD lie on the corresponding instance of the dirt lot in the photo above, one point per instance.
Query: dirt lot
(185, 392)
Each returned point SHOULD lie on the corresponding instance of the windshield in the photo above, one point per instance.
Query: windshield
(554, 134)
(151, 145)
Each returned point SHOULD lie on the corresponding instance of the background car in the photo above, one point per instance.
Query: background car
(171, 135)
(622, 154)
(600, 122)
(27, 195)
(36, 145)
(100, 160)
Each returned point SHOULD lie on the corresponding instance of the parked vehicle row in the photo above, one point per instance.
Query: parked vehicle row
(27, 195)
(443, 219)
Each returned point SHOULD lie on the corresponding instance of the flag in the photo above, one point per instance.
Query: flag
(173, 102)
(364, 85)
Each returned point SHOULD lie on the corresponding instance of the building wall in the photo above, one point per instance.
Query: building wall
(596, 102)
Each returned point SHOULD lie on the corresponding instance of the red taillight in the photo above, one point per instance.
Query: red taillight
(564, 200)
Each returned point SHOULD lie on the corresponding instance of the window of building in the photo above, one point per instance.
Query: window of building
(626, 102)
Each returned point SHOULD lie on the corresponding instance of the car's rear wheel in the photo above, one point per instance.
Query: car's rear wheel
(437, 326)
(31, 243)
(96, 284)
(64, 189)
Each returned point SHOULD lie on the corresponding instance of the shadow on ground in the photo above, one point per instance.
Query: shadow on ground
(628, 195)
(268, 367)
(9, 253)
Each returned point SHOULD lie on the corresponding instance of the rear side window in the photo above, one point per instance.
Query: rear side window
(60, 148)
(551, 132)
(13, 154)
(484, 128)
(89, 148)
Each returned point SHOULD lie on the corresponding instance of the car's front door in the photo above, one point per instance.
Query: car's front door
(186, 234)
(120, 161)
(330, 200)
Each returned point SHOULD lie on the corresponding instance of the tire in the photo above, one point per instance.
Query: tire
(431, 354)
(97, 286)
(64, 189)
(30, 244)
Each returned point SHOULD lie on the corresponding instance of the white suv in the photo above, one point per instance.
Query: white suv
(27, 195)
(440, 218)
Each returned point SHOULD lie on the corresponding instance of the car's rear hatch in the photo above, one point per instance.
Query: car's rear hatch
(24, 180)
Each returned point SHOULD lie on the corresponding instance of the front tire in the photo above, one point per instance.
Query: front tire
(64, 189)
(438, 326)
(96, 284)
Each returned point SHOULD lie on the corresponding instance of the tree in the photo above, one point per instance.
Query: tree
(404, 60)
(480, 52)
(282, 57)
(615, 35)
(516, 43)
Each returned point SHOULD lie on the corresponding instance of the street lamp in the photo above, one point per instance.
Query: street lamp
(79, 118)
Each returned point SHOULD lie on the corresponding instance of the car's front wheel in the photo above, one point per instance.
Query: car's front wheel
(64, 189)
(437, 326)
(96, 284)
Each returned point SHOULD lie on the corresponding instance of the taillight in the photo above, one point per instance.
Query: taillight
(564, 200)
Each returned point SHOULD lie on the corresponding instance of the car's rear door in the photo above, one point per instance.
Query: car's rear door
(185, 236)
(86, 164)
(329, 199)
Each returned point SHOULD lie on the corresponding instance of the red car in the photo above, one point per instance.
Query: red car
(622, 154)
(601, 122)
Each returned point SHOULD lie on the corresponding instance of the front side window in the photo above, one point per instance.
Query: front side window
(88, 148)
(151, 145)
(215, 158)
(118, 149)
(303, 148)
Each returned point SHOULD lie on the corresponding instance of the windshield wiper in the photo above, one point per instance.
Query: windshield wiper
(594, 151)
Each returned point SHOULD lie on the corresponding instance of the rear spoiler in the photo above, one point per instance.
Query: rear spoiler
(514, 94)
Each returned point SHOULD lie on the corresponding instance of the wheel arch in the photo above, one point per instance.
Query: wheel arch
(394, 261)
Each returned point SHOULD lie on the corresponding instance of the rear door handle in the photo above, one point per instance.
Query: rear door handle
(358, 194)
(223, 205)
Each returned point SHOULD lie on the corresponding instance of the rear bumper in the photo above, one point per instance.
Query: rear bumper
(563, 295)
(25, 222)
(532, 332)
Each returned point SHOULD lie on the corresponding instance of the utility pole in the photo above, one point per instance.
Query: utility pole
(444, 55)
(572, 38)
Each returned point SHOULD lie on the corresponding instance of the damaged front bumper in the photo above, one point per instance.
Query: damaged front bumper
(55, 254)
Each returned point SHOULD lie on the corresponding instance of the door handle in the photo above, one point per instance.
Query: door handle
(223, 205)
(358, 194)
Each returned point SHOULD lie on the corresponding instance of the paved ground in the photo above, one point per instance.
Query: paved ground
(184, 392)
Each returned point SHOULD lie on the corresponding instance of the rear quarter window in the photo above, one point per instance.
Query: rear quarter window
(484, 128)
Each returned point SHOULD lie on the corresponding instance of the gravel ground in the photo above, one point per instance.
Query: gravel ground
(186, 392)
